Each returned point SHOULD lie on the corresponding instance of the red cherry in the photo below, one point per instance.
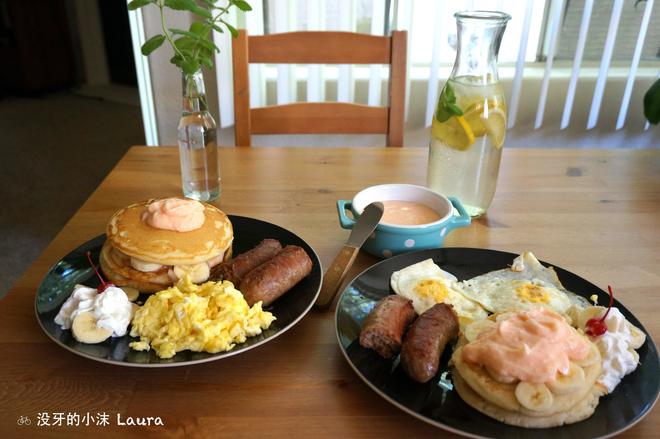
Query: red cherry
(104, 285)
(598, 327)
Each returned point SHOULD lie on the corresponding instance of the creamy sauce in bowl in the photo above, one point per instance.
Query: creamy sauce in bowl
(408, 213)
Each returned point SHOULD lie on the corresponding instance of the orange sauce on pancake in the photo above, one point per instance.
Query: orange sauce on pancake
(407, 213)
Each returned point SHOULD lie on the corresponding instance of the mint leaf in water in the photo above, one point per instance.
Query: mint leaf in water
(447, 105)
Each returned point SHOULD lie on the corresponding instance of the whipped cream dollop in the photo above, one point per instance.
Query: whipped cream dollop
(112, 309)
(617, 345)
(174, 214)
(80, 300)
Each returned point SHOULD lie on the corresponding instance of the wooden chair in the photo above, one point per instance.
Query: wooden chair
(319, 117)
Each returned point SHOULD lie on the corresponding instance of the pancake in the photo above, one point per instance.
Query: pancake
(117, 269)
(581, 410)
(128, 233)
(499, 400)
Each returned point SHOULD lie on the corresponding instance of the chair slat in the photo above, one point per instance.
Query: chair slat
(319, 118)
(330, 48)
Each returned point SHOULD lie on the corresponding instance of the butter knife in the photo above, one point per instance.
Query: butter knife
(338, 270)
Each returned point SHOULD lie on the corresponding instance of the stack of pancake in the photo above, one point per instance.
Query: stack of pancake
(569, 398)
(151, 259)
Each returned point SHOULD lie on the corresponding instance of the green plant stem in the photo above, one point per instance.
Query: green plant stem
(165, 32)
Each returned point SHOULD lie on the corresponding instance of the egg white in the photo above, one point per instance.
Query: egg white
(426, 284)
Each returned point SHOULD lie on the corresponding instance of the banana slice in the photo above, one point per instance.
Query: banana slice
(473, 330)
(198, 273)
(144, 266)
(569, 383)
(592, 358)
(85, 330)
(134, 308)
(131, 293)
(535, 397)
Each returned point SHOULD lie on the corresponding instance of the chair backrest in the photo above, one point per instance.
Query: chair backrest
(319, 117)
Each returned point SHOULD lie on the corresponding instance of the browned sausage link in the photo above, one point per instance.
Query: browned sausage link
(273, 278)
(242, 264)
(383, 328)
(425, 341)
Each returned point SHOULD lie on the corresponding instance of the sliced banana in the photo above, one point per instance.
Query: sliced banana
(569, 383)
(131, 293)
(473, 330)
(85, 330)
(144, 266)
(198, 273)
(591, 359)
(535, 397)
(134, 308)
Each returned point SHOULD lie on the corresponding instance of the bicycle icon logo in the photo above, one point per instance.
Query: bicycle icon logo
(24, 420)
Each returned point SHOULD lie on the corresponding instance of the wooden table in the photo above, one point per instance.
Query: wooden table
(594, 212)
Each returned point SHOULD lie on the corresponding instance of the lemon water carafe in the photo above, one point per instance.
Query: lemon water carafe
(469, 124)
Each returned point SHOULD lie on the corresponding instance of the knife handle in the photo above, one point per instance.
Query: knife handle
(335, 275)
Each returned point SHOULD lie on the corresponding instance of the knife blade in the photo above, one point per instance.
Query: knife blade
(340, 266)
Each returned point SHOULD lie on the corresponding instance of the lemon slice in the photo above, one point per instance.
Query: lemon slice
(454, 132)
(495, 126)
(473, 116)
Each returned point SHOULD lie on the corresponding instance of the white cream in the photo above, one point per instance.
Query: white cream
(615, 346)
(81, 299)
(113, 310)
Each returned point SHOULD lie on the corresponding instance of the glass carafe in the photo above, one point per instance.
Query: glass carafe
(469, 124)
(200, 170)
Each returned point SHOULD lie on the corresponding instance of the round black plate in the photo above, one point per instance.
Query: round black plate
(74, 269)
(435, 402)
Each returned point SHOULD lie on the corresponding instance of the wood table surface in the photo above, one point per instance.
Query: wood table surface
(593, 212)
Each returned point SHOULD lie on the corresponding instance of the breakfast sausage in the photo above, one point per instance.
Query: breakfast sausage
(425, 341)
(273, 278)
(242, 264)
(383, 328)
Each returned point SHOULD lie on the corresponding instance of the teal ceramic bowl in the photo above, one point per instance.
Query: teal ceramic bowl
(390, 239)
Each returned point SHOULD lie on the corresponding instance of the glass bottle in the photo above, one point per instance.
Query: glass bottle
(469, 124)
(198, 152)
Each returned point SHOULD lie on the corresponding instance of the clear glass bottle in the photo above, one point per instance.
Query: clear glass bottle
(200, 169)
(469, 125)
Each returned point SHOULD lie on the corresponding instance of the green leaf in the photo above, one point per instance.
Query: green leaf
(189, 66)
(242, 5)
(184, 32)
(184, 43)
(199, 28)
(206, 62)
(152, 44)
(447, 104)
(202, 12)
(232, 29)
(652, 103)
(218, 28)
(180, 5)
(136, 4)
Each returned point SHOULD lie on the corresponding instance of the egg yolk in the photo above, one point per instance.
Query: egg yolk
(532, 293)
(432, 288)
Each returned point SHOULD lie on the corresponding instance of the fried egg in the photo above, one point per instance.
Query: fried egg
(527, 284)
(426, 284)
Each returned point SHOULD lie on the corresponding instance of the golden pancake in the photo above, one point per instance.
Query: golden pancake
(117, 269)
(128, 233)
(581, 410)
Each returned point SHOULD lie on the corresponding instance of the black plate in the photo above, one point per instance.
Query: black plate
(435, 402)
(74, 269)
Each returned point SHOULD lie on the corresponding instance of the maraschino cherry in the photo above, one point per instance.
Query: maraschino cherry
(104, 285)
(598, 327)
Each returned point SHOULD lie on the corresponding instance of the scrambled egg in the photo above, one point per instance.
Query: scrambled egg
(211, 317)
